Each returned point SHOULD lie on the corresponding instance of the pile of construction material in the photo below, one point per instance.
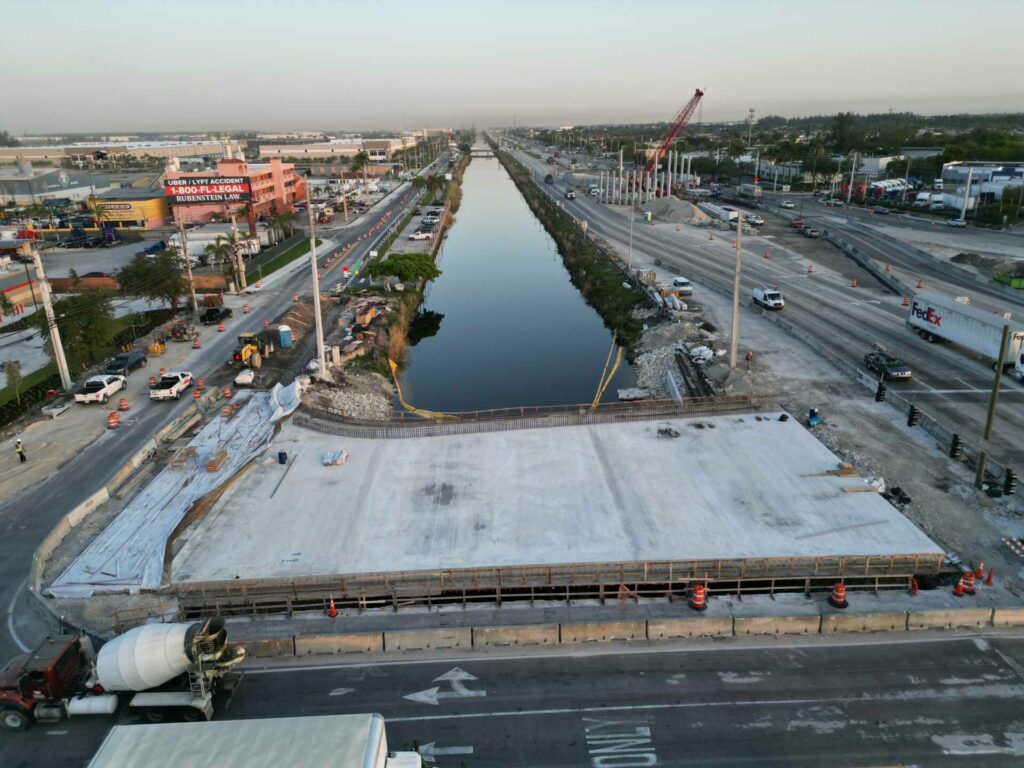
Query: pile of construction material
(358, 395)
(675, 211)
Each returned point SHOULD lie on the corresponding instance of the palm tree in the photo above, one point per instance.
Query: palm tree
(434, 185)
(361, 158)
(221, 249)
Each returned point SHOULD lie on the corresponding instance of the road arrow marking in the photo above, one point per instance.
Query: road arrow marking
(456, 678)
(429, 751)
(341, 691)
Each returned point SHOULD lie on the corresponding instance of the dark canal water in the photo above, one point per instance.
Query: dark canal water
(504, 326)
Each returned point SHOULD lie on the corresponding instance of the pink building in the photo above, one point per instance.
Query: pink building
(275, 187)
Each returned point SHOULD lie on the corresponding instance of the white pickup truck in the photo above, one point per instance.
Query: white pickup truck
(171, 385)
(99, 389)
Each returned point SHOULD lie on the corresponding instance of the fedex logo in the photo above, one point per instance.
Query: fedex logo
(925, 313)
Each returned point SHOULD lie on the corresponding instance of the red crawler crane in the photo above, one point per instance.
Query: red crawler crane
(677, 126)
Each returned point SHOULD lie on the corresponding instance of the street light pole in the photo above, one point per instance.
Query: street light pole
(51, 320)
(320, 352)
(734, 343)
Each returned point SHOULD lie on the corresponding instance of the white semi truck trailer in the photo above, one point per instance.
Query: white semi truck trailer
(941, 318)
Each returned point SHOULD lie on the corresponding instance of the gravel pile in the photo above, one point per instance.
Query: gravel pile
(360, 395)
(651, 368)
(676, 211)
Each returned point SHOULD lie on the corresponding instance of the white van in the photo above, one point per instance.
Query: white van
(683, 286)
(769, 298)
(937, 184)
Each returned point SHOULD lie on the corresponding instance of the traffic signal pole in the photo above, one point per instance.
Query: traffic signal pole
(979, 477)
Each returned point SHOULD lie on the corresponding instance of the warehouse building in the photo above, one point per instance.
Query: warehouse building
(87, 153)
(132, 208)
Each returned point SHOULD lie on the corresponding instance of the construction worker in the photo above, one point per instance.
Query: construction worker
(20, 450)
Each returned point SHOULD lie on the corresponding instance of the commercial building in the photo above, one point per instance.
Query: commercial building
(266, 188)
(25, 184)
(132, 208)
(383, 149)
(320, 150)
(87, 153)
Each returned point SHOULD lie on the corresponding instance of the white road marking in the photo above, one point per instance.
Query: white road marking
(56, 733)
(737, 678)
(456, 678)
(982, 644)
(980, 744)
(428, 751)
(1010, 663)
(340, 691)
(10, 618)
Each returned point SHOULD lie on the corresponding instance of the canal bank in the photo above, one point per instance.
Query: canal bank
(506, 326)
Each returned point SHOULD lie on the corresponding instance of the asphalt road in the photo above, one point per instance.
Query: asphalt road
(27, 518)
(935, 700)
(947, 383)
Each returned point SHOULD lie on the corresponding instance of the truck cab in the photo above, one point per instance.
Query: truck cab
(36, 682)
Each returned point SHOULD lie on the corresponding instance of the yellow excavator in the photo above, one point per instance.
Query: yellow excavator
(251, 349)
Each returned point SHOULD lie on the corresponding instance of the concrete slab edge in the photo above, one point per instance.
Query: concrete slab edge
(575, 633)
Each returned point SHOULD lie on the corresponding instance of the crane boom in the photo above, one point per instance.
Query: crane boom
(677, 126)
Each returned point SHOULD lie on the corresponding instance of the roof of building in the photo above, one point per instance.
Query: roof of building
(353, 741)
(130, 194)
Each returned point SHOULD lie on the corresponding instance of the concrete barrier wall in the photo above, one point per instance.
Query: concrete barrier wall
(863, 622)
(542, 634)
(317, 645)
(1008, 617)
(56, 536)
(964, 617)
(777, 625)
(420, 639)
(603, 632)
(707, 626)
(264, 649)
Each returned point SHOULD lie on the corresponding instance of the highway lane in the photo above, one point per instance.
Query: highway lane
(930, 699)
(948, 384)
(27, 518)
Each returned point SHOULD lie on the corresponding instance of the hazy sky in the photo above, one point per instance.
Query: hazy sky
(100, 65)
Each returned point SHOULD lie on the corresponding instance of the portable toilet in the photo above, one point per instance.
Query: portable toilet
(648, 216)
(285, 333)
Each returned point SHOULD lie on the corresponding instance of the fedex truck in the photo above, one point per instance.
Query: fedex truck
(941, 318)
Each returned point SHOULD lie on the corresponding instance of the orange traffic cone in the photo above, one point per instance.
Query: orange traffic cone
(245, 309)
(979, 572)
(913, 585)
(698, 602)
(113, 420)
(332, 611)
(920, 283)
(988, 579)
(227, 393)
(853, 283)
(766, 254)
(162, 372)
(220, 327)
(810, 269)
(838, 597)
(958, 590)
(197, 393)
(906, 301)
(152, 381)
(295, 297)
(199, 384)
(122, 404)
(266, 323)
(968, 580)
(195, 342)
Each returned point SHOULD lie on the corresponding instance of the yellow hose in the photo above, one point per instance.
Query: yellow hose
(412, 409)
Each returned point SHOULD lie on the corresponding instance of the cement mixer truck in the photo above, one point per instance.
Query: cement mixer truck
(173, 671)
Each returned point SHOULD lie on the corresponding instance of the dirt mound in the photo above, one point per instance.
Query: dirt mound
(675, 211)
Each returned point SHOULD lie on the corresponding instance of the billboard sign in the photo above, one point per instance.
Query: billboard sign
(193, 190)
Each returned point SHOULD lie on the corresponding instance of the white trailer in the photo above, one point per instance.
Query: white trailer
(940, 318)
(721, 213)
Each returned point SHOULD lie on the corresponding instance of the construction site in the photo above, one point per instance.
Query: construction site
(276, 508)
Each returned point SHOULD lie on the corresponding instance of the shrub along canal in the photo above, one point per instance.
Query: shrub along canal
(503, 326)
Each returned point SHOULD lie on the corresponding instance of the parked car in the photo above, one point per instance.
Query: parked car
(753, 218)
(214, 315)
(834, 202)
(809, 231)
(684, 286)
(570, 195)
(879, 211)
(420, 235)
(891, 368)
(797, 224)
(787, 204)
(956, 223)
(98, 389)
(126, 362)
(769, 298)
(417, 211)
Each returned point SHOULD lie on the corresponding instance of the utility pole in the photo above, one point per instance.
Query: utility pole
(51, 320)
(237, 251)
(735, 342)
(979, 478)
(750, 126)
(320, 353)
(629, 257)
(188, 264)
(849, 189)
(906, 183)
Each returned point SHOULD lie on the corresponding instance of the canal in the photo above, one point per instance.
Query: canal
(504, 326)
